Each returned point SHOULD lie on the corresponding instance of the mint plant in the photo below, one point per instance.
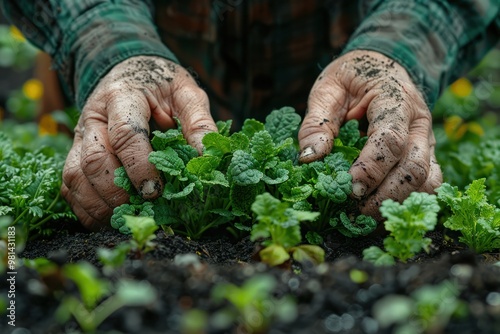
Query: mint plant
(279, 225)
(218, 187)
(407, 223)
(472, 215)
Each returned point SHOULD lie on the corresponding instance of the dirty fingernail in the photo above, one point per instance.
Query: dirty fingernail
(358, 189)
(307, 152)
(149, 188)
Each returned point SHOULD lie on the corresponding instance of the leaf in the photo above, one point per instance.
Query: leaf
(216, 144)
(242, 169)
(274, 255)
(203, 166)
(135, 293)
(314, 238)
(282, 123)
(167, 161)
(308, 253)
(122, 180)
(335, 189)
(349, 133)
(262, 147)
(170, 193)
(362, 225)
(92, 288)
(377, 256)
(251, 127)
(162, 140)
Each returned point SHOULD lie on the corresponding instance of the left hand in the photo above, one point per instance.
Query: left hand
(398, 157)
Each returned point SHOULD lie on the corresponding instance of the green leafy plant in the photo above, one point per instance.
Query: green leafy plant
(279, 225)
(30, 182)
(98, 297)
(472, 215)
(207, 191)
(427, 310)
(407, 223)
(252, 305)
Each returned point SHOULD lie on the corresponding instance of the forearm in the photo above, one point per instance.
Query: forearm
(87, 38)
(436, 41)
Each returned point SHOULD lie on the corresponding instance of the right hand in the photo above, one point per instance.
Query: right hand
(113, 130)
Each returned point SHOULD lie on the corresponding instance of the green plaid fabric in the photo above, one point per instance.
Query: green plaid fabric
(252, 56)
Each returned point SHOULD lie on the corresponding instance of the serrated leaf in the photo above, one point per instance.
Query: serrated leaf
(172, 193)
(167, 161)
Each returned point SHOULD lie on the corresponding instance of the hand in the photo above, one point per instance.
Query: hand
(398, 157)
(113, 130)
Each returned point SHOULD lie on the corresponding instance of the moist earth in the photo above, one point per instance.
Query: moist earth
(344, 295)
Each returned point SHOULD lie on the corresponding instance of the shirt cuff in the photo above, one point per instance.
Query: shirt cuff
(414, 34)
(102, 37)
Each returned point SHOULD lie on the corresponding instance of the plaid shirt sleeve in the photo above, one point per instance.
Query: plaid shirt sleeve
(436, 41)
(86, 38)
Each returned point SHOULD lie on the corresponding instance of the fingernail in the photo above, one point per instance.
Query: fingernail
(358, 189)
(149, 188)
(307, 152)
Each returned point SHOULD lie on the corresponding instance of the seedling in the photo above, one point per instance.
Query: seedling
(253, 306)
(279, 225)
(472, 215)
(407, 223)
(91, 310)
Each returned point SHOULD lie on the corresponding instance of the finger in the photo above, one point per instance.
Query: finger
(409, 174)
(327, 106)
(92, 211)
(128, 131)
(192, 108)
(387, 137)
(98, 162)
(90, 222)
(435, 178)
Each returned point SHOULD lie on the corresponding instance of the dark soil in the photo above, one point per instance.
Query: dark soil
(329, 298)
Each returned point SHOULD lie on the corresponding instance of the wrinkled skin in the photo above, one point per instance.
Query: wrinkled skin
(399, 155)
(114, 127)
(113, 130)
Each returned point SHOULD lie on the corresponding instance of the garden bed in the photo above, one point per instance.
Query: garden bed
(343, 295)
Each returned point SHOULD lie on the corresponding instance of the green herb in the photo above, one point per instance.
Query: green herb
(99, 298)
(427, 310)
(253, 305)
(30, 182)
(407, 223)
(278, 223)
(472, 215)
(204, 192)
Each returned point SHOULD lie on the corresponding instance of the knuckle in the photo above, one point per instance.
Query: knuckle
(415, 171)
(93, 161)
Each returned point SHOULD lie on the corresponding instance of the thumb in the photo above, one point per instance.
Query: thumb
(327, 106)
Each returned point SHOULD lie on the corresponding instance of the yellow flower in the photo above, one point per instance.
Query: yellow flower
(454, 127)
(476, 128)
(47, 125)
(462, 87)
(33, 89)
(17, 34)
